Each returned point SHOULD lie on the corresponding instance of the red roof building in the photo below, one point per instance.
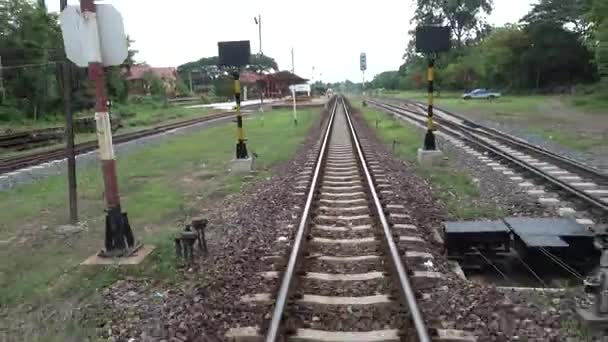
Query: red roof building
(136, 78)
(274, 85)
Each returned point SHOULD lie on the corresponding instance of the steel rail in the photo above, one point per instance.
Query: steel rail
(406, 290)
(287, 281)
(474, 140)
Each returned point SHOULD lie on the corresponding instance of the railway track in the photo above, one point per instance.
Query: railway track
(23, 161)
(355, 258)
(583, 185)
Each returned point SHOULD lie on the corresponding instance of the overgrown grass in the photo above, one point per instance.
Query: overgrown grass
(511, 104)
(456, 189)
(147, 113)
(565, 120)
(571, 139)
(159, 185)
(143, 113)
(593, 103)
(508, 105)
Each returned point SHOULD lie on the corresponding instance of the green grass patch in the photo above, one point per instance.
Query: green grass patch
(507, 105)
(456, 189)
(567, 120)
(159, 184)
(571, 139)
(592, 103)
(404, 140)
(148, 113)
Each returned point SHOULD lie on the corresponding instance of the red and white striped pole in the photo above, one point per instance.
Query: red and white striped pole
(119, 240)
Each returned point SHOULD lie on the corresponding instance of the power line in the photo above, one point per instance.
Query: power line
(492, 264)
(25, 66)
(562, 264)
(531, 271)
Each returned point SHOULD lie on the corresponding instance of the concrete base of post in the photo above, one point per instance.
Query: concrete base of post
(136, 258)
(593, 322)
(239, 166)
(428, 158)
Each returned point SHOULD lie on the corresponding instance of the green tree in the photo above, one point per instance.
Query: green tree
(260, 62)
(116, 84)
(556, 56)
(599, 16)
(387, 80)
(30, 40)
(465, 17)
(181, 88)
(562, 12)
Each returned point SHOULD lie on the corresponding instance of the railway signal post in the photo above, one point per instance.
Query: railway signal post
(363, 67)
(431, 40)
(233, 55)
(94, 37)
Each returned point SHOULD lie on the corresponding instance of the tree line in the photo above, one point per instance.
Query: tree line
(32, 53)
(558, 45)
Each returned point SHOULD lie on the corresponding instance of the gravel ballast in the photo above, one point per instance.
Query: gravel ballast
(245, 228)
(453, 303)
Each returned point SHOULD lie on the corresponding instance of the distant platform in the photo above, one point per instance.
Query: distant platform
(231, 105)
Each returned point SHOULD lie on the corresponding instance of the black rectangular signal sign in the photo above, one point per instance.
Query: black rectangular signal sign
(235, 53)
(432, 39)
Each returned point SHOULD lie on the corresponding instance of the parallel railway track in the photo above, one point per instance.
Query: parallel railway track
(584, 185)
(347, 277)
(19, 162)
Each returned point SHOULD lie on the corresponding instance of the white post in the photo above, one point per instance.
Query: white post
(363, 84)
(295, 111)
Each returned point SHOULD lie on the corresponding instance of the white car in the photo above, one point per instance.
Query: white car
(480, 94)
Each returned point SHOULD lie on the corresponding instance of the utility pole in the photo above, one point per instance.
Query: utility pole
(119, 240)
(66, 69)
(363, 82)
(190, 79)
(259, 22)
(293, 91)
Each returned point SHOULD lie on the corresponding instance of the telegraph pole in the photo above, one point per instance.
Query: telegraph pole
(69, 134)
(119, 240)
(259, 22)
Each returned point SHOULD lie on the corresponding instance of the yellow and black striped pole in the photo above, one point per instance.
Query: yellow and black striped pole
(241, 147)
(429, 139)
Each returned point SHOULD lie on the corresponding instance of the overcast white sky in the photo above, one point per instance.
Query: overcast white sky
(328, 35)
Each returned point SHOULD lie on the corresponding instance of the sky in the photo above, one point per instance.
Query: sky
(325, 35)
